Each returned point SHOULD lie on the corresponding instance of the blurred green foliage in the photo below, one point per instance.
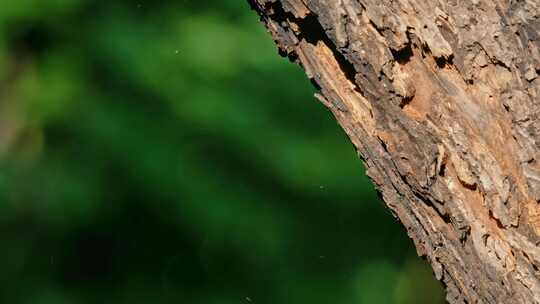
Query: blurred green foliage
(162, 152)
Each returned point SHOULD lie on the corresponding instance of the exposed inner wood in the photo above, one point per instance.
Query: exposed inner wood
(441, 100)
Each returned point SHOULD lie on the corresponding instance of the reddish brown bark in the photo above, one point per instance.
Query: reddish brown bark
(441, 100)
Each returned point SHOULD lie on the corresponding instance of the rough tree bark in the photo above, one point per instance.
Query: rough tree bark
(441, 100)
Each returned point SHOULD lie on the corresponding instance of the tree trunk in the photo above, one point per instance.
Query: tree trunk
(441, 100)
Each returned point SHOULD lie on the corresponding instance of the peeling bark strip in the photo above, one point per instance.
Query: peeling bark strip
(441, 100)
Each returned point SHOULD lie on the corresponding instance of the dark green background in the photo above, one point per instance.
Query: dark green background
(162, 152)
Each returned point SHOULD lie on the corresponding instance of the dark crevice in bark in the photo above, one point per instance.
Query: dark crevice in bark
(443, 62)
(315, 84)
(313, 32)
(442, 169)
(499, 224)
(379, 30)
(436, 206)
(405, 100)
(404, 55)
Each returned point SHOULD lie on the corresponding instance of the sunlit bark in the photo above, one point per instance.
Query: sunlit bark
(441, 100)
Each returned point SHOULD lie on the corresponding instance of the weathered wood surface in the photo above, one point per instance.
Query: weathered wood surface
(441, 100)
